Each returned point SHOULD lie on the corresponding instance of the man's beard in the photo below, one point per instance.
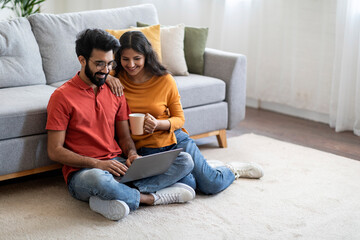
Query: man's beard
(95, 80)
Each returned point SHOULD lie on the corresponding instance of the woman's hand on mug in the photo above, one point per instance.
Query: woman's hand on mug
(150, 123)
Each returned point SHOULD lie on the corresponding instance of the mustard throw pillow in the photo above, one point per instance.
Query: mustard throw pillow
(152, 33)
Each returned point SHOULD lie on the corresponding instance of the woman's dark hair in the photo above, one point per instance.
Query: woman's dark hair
(90, 39)
(137, 41)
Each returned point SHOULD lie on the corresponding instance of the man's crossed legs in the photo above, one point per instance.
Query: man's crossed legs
(115, 200)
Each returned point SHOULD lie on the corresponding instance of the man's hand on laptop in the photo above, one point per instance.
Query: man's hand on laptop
(114, 167)
(131, 158)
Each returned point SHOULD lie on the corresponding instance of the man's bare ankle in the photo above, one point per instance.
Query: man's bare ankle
(147, 199)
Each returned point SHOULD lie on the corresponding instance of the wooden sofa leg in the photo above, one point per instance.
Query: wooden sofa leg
(30, 172)
(220, 135)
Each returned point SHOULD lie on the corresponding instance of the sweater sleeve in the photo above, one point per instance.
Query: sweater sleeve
(177, 118)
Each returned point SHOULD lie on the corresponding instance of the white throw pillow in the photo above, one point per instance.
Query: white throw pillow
(172, 49)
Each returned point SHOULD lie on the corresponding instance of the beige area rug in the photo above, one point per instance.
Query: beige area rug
(305, 194)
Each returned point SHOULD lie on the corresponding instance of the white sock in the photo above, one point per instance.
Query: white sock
(156, 197)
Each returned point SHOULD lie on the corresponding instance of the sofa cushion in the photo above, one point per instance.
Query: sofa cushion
(196, 90)
(58, 84)
(27, 115)
(56, 34)
(152, 33)
(20, 154)
(194, 47)
(206, 118)
(20, 60)
(172, 47)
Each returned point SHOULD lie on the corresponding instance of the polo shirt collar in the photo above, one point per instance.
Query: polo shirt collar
(81, 84)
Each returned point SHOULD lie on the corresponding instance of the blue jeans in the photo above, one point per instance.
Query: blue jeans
(206, 179)
(96, 182)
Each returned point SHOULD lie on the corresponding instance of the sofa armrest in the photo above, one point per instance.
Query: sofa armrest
(231, 68)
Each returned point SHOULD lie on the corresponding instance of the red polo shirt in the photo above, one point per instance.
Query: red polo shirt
(89, 120)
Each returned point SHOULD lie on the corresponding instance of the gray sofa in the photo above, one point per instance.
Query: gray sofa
(37, 55)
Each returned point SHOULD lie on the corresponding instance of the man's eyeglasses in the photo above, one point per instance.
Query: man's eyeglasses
(100, 65)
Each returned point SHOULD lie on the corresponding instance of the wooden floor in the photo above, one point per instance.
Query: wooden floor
(299, 131)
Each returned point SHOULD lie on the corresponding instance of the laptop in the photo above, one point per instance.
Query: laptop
(150, 165)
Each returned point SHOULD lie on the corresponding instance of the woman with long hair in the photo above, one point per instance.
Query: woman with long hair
(150, 89)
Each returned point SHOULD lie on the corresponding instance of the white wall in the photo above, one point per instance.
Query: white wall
(289, 44)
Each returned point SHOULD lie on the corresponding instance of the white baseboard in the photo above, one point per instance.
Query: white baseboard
(251, 102)
(280, 108)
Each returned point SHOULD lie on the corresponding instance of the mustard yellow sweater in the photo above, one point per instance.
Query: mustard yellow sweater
(160, 97)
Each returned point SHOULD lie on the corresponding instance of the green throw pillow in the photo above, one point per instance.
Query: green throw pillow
(194, 47)
(140, 24)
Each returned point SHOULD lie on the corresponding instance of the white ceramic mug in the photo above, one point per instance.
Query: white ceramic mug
(137, 123)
